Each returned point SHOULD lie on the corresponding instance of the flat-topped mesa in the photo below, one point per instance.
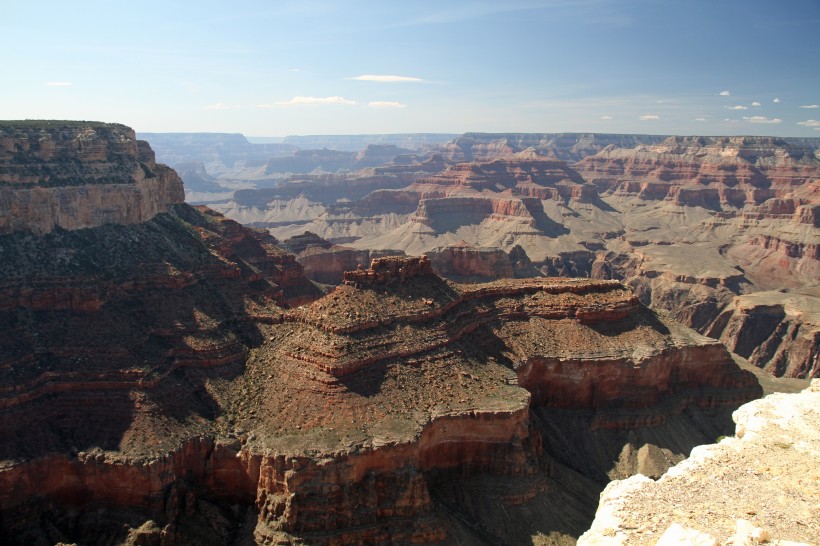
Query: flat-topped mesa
(78, 174)
(389, 269)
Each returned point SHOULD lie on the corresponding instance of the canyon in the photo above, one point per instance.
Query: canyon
(720, 232)
(171, 376)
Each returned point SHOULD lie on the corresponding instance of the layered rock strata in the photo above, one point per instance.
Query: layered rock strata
(399, 408)
(437, 392)
(79, 175)
(706, 171)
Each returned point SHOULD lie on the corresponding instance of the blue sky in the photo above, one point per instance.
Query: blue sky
(273, 68)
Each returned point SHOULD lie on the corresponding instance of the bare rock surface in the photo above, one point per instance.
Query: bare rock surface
(760, 486)
(76, 175)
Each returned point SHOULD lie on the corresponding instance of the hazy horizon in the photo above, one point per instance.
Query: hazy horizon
(317, 67)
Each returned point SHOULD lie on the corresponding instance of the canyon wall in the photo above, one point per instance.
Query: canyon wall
(73, 176)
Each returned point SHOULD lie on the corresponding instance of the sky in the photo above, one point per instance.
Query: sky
(276, 68)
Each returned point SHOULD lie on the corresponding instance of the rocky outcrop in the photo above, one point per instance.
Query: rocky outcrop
(689, 223)
(389, 269)
(79, 175)
(399, 407)
(748, 489)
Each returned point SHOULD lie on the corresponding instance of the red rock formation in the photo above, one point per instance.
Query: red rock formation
(377, 487)
(328, 266)
(740, 169)
(378, 413)
(389, 269)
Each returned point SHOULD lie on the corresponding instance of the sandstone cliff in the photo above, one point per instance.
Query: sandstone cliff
(76, 175)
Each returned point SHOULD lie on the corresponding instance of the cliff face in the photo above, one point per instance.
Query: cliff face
(73, 175)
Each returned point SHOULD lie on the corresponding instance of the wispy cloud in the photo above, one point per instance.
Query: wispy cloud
(738, 107)
(725, 94)
(649, 117)
(700, 119)
(761, 119)
(301, 101)
(810, 123)
(811, 106)
(386, 104)
(606, 117)
(386, 78)
(59, 84)
(776, 99)
(222, 106)
(755, 103)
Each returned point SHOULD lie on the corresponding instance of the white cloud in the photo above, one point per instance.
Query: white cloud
(700, 119)
(606, 117)
(385, 78)
(810, 123)
(59, 84)
(738, 107)
(761, 119)
(221, 106)
(649, 117)
(725, 94)
(385, 104)
(811, 106)
(776, 99)
(755, 103)
(300, 100)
